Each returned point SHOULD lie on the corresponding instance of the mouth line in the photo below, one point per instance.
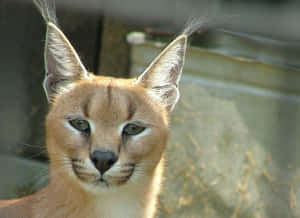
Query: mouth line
(102, 181)
(126, 178)
(122, 180)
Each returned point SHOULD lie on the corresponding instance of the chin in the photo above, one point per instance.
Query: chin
(103, 186)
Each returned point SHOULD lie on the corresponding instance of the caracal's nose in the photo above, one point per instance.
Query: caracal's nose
(103, 160)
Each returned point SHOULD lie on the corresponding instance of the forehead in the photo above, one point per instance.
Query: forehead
(106, 101)
(111, 102)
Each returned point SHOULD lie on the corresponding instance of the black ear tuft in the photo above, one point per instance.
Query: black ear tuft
(62, 64)
(47, 9)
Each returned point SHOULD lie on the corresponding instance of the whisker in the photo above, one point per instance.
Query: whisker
(129, 164)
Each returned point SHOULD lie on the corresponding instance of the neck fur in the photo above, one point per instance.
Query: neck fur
(64, 198)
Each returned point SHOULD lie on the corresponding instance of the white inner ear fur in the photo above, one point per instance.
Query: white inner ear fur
(63, 52)
(161, 78)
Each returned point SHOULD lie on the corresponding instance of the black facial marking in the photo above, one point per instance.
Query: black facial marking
(131, 110)
(127, 170)
(86, 108)
(76, 160)
(76, 164)
(86, 105)
(129, 164)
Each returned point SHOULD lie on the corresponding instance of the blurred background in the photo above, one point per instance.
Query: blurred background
(234, 148)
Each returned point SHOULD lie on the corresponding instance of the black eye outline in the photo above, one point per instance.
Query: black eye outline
(81, 125)
(132, 129)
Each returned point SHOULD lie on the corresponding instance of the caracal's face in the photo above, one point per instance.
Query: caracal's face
(112, 116)
(105, 132)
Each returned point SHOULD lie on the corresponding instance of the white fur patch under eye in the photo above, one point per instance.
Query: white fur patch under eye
(75, 131)
(142, 134)
(92, 126)
(70, 127)
(121, 127)
(134, 137)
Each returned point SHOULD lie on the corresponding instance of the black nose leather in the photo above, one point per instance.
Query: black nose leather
(103, 160)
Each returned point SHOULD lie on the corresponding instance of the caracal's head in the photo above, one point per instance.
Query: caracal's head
(105, 133)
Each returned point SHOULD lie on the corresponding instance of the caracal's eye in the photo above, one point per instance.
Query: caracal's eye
(132, 129)
(81, 125)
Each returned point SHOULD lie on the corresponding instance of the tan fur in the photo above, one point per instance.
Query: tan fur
(66, 196)
(130, 187)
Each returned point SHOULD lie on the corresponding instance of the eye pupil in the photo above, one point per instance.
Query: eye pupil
(132, 129)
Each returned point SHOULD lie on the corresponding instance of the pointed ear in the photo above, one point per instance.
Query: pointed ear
(62, 63)
(161, 78)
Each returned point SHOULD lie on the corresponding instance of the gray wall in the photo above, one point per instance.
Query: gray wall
(23, 103)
